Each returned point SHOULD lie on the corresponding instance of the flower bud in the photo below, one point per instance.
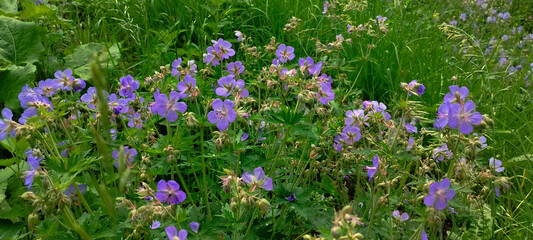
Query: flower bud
(336, 231)
(33, 219)
(28, 196)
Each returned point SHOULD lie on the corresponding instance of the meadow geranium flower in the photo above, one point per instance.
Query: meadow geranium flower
(325, 94)
(453, 22)
(285, 53)
(128, 85)
(135, 121)
(155, 224)
(172, 233)
(410, 143)
(491, 19)
(504, 16)
(324, 79)
(194, 226)
(442, 116)
(403, 217)
(175, 65)
(7, 125)
(220, 50)
(463, 16)
(244, 137)
(439, 194)
(291, 197)
(222, 114)
(239, 36)
(169, 192)
(34, 158)
(372, 170)
(325, 7)
(424, 235)
(441, 152)
(169, 107)
(463, 117)
(305, 64)
(355, 118)
(315, 69)
(186, 86)
(337, 145)
(90, 98)
(71, 190)
(496, 164)
(118, 106)
(258, 179)
(129, 154)
(409, 127)
(226, 85)
(235, 68)
(48, 87)
(350, 134)
(456, 95)
(381, 19)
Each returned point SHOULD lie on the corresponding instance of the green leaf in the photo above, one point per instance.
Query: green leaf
(19, 42)
(79, 60)
(8, 6)
(12, 79)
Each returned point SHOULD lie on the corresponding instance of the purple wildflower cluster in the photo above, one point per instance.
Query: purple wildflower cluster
(455, 112)
(220, 50)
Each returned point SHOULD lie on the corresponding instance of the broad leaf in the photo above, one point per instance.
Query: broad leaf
(80, 59)
(12, 79)
(19, 42)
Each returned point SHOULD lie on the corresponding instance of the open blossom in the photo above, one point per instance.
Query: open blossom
(71, 190)
(315, 69)
(129, 154)
(7, 125)
(222, 114)
(441, 152)
(118, 106)
(372, 170)
(68, 82)
(34, 158)
(439, 194)
(456, 95)
(48, 87)
(305, 64)
(285, 53)
(169, 107)
(239, 35)
(175, 65)
(403, 217)
(135, 120)
(226, 85)
(169, 192)
(463, 117)
(194, 226)
(350, 135)
(355, 118)
(235, 68)
(325, 94)
(90, 98)
(186, 86)
(128, 85)
(220, 50)
(173, 234)
(155, 224)
(442, 115)
(496, 164)
(258, 179)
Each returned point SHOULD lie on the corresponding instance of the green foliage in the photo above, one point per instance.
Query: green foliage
(79, 60)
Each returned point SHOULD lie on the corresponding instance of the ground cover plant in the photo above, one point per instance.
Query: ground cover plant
(343, 119)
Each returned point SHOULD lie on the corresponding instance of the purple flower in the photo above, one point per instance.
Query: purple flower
(222, 114)
(337, 145)
(463, 16)
(7, 125)
(355, 118)
(504, 16)
(48, 87)
(496, 164)
(315, 69)
(220, 50)
(324, 79)
(127, 86)
(170, 192)
(350, 134)
(381, 19)
(402, 218)
(118, 106)
(291, 197)
(172, 233)
(90, 98)
(325, 7)
(175, 64)
(439, 194)
(325, 94)
(129, 154)
(497, 192)
(226, 85)
(464, 117)
(155, 224)
(168, 107)
(410, 143)
(194, 226)
(285, 53)
(113, 134)
(305, 64)
(372, 170)
(442, 116)
(135, 121)
(187, 85)
(456, 94)
(71, 190)
(258, 179)
(505, 38)
(453, 22)
(235, 68)
(33, 160)
(409, 127)
(424, 235)
(244, 137)
(441, 152)
(239, 35)
(502, 61)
